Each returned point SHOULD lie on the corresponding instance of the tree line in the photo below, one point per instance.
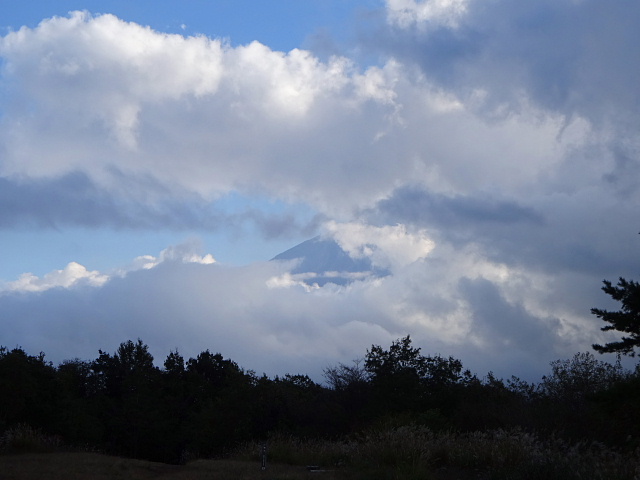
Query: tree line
(122, 403)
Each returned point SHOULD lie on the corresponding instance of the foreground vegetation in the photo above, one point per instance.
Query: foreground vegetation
(404, 452)
(94, 466)
(393, 414)
(417, 452)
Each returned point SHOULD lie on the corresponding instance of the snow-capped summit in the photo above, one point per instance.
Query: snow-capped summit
(327, 262)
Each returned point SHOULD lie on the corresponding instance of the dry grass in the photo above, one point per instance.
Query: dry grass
(24, 438)
(417, 453)
(401, 453)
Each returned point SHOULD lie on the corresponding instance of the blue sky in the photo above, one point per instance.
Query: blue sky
(155, 155)
(282, 25)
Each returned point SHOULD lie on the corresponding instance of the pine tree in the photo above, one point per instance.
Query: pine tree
(626, 320)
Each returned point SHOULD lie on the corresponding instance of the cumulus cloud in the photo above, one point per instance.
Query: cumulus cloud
(218, 119)
(73, 274)
(388, 247)
(244, 119)
(113, 99)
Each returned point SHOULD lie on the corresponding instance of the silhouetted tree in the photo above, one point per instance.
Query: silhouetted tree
(403, 379)
(215, 370)
(343, 377)
(28, 392)
(626, 320)
(618, 411)
(220, 397)
(487, 403)
(352, 390)
(124, 371)
(79, 419)
(125, 405)
(174, 364)
(572, 381)
(129, 382)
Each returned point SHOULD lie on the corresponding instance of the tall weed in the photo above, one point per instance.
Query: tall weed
(24, 438)
(412, 451)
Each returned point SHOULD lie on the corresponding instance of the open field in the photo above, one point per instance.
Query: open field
(403, 453)
(93, 466)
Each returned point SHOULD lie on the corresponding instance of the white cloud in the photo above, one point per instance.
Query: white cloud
(409, 13)
(186, 253)
(101, 70)
(279, 85)
(72, 275)
(288, 280)
(143, 113)
(116, 100)
(387, 247)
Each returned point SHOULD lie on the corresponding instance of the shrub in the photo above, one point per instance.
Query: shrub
(23, 438)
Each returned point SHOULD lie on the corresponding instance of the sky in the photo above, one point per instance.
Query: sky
(154, 156)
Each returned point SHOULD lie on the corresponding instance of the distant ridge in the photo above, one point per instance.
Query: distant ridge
(328, 261)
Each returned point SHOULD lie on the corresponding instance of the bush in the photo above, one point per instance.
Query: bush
(23, 438)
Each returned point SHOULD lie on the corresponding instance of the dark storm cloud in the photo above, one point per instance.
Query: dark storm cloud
(68, 200)
(571, 57)
(417, 205)
(581, 232)
(625, 176)
(461, 219)
(282, 225)
(506, 325)
(74, 200)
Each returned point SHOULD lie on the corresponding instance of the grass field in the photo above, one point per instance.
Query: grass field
(93, 466)
(402, 453)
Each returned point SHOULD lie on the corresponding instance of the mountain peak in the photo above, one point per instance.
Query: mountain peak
(328, 261)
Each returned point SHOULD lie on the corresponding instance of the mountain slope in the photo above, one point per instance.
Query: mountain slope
(325, 261)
